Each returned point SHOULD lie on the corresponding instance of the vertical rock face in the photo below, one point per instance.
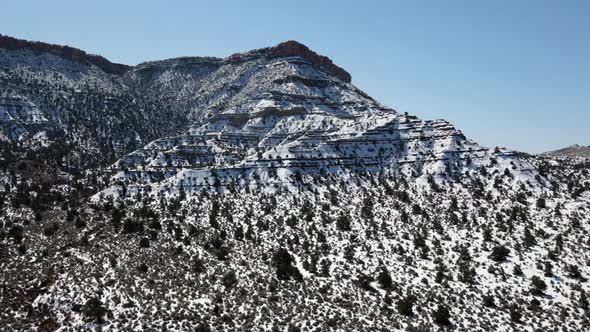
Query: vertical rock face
(293, 48)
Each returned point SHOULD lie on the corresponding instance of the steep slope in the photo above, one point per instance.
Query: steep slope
(73, 92)
(201, 85)
(275, 115)
(81, 99)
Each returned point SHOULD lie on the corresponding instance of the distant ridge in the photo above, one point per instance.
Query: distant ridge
(573, 151)
(66, 52)
(284, 49)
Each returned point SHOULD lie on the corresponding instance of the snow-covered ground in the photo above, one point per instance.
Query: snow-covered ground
(265, 192)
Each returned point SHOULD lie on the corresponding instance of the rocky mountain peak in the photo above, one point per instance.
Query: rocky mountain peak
(294, 48)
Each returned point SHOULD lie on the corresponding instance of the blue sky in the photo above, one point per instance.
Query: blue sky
(507, 73)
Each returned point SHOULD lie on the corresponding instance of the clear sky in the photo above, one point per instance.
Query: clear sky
(507, 73)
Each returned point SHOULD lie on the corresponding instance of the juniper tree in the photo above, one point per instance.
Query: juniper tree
(230, 279)
(528, 238)
(405, 305)
(573, 271)
(94, 310)
(282, 261)
(583, 302)
(384, 278)
(499, 253)
(548, 269)
(367, 208)
(343, 222)
(538, 286)
(325, 267)
(488, 301)
(440, 276)
(515, 313)
(466, 274)
(441, 316)
(239, 233)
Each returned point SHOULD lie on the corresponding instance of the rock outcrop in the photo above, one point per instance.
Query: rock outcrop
(66, 52)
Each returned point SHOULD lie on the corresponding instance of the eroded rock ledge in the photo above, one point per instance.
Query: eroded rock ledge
(66, 52)
(294, 48)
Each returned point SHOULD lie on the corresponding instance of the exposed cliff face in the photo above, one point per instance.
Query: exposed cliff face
(293, 48)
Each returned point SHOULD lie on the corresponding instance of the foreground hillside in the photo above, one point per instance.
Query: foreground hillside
(264, 191)
(374, 253)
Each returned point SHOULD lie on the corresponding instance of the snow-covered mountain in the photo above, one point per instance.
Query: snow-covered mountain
(274, 114)
(79, 99)
(264, 191)
(280, 113)
(572, 151)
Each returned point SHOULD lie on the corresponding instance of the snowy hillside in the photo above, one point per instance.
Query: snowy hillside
(573, 151)
(276, 119)
(265, 192)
